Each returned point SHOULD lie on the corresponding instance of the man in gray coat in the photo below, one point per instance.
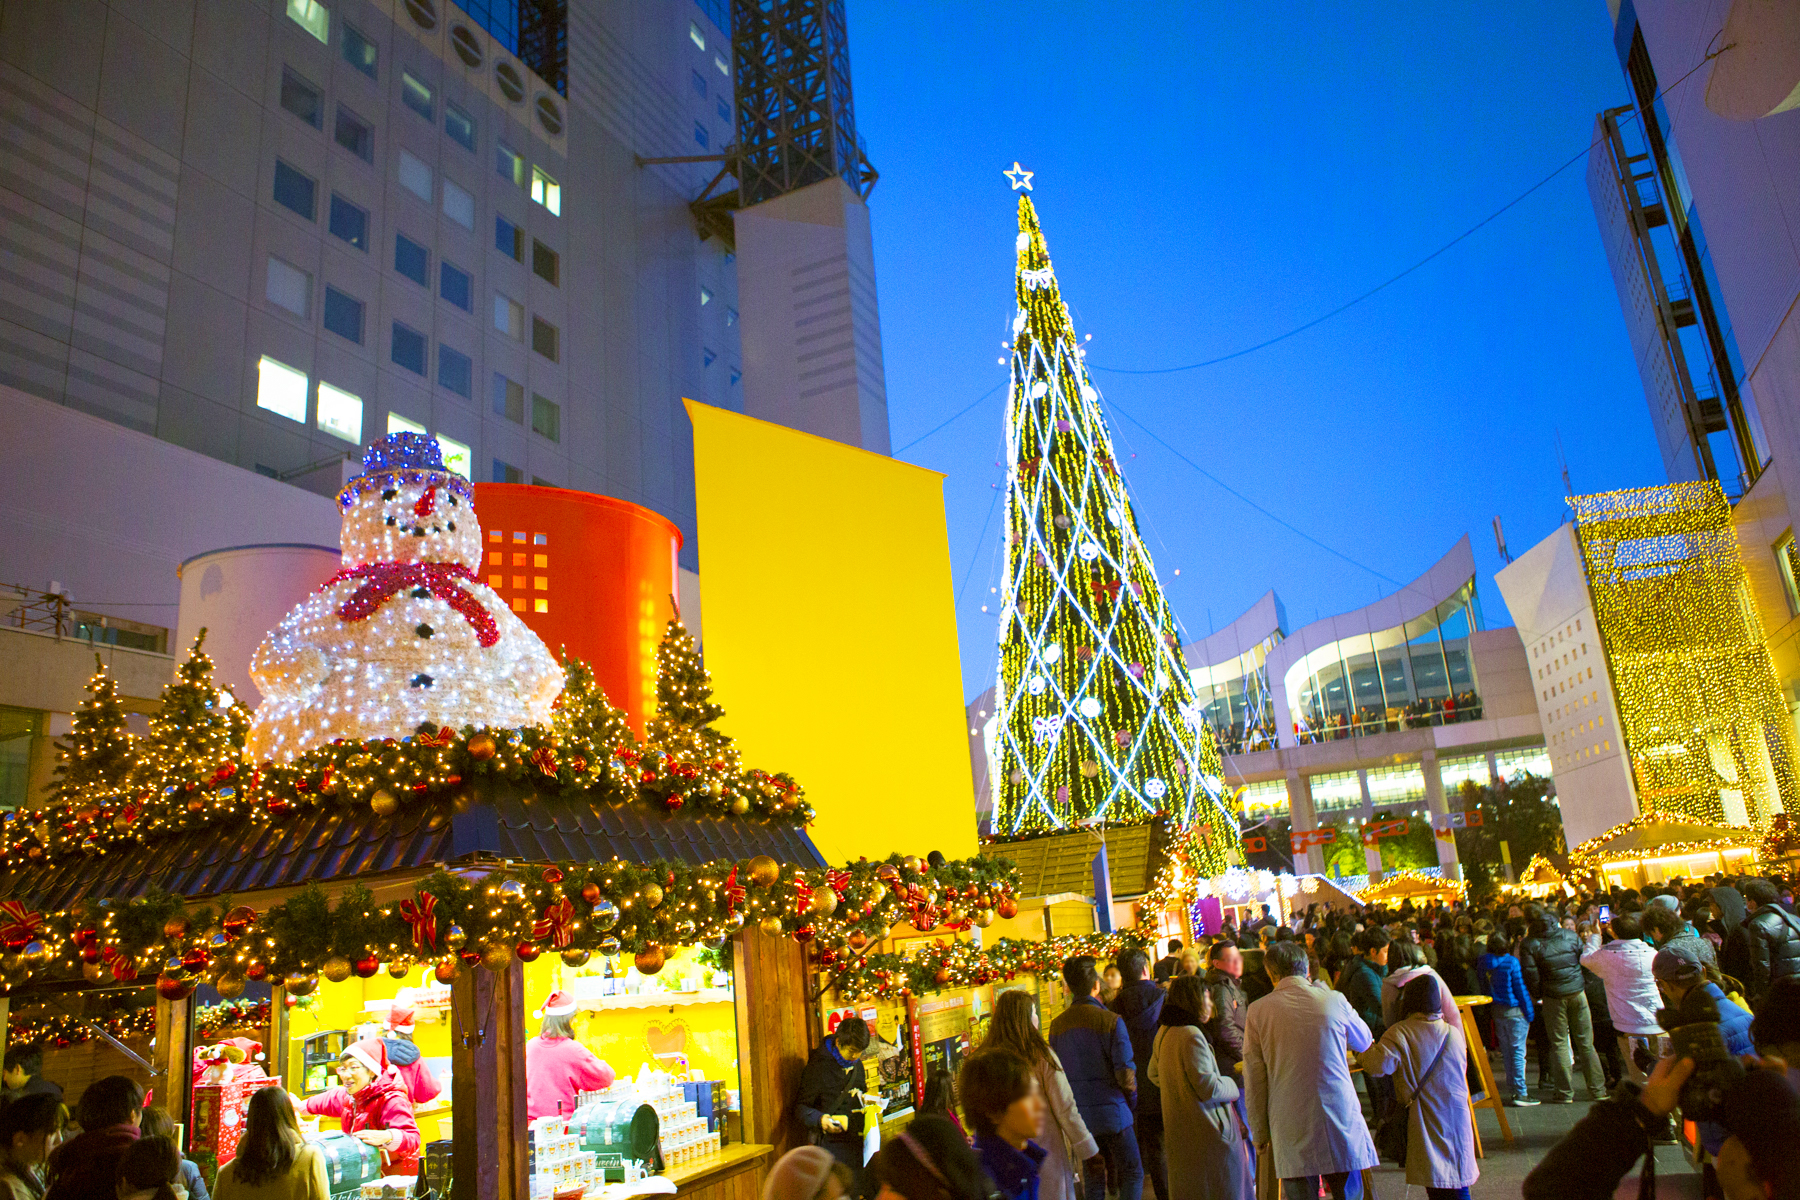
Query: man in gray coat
(1303, 1107)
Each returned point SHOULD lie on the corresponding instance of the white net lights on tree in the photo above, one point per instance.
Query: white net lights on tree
(405, 633)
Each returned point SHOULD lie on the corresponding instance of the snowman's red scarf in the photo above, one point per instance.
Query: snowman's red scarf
(385, 579)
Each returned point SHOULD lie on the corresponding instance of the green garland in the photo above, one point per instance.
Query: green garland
(960, 964)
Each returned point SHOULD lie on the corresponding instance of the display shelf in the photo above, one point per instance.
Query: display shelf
(657, 999)
(730, 1157)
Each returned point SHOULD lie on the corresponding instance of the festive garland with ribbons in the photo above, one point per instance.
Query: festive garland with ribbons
(944, 965)
(65, 1031)
(490, 916)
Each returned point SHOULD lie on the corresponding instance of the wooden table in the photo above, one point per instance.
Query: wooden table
(1478, 1053)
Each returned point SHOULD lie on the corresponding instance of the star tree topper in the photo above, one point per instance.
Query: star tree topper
(1021, 178)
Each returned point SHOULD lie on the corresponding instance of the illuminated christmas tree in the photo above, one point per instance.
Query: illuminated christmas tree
(196, 737)
(95, 760)
(1097, 717)
(583, 716)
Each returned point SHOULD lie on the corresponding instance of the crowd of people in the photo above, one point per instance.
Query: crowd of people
(1180, 1078)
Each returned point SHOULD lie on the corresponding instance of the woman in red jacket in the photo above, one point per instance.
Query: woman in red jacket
(373, 1105)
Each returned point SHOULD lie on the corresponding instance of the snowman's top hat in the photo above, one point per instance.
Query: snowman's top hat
(404, 458)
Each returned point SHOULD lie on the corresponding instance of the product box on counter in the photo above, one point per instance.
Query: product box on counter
(219, 1115)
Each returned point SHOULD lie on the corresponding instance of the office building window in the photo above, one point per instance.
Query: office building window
(723, 109)
(408, 348)
(723, 66)
(311, 16)
(460, 126)
(509, 316)
(302, 98)
(505, 472)
(545, 263)
(456, 286)
(455, 372)
(510, 165)
(459, 206)
(1787, 556)
(546, 417)
(281, 389)
(699, 83)
(695, 35)
(340, 413)
(349, 222)
(359, 51)
(295, 191)
(289, 287)
(705, 296)
(412, 260)
(735, 376)
(344, 315)
(700, 137)
(456, 456)
(730, 317)
(509, 239)
(545, 338)
(415, 93)
(415, 176)
(355, 134)
(546, 191)
(399, 424)
(509, 399)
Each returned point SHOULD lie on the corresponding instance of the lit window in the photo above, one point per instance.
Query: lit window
(344, 315)
(281, 389)
(509, 316)
(311, 16)
(1787, 556)
(416, 94)
(509, 399)
(546, 191)
(456, 286)
(455, 454)
(289, 287)
(302, 98)
(546, 417)
(496, 581)
(399, 424)
(731, 316)
(510, 164)
(295, 191)
(415, 176)
(694, 34)
(460, 126)
(545, 338)
(459, 206)
(340, 413)
(540, 605)
(724, 67)
(540, 583)
(355, 134)
(705, 296)
(540, 561)
(455, 372)
(412, 260)
(359, 51)
(408, 349)
(509, 239)
(349, 222)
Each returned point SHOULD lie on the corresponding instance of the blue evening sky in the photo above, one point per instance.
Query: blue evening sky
(1211, 175)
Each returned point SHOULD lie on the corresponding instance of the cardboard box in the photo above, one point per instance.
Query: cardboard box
(219, 1115)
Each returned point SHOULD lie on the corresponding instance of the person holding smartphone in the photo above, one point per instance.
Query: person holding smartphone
(831, 1095)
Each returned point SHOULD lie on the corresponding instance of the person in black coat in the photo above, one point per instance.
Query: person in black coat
(1772, 936)
(1140, 1004)
(831, 1096)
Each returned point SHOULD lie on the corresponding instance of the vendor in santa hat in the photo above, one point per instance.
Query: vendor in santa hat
(557, 1066)
(373, 1105)
(229, 1060)
(422, 1086)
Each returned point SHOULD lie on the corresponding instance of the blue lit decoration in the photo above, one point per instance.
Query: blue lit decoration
(408, 458)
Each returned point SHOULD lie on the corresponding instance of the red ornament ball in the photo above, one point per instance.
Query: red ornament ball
(590, 892)
(366, 967)
(1007, 907)
(528, 952)
(175, 987)
(553, 875)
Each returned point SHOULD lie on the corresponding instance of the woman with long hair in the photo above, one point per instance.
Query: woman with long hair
(557, 1066)
(151, 1170)
(27, 1124)
(1207, 1158)
(1063, 1133)
(273, 1161)
(939, 1098)
(930, 1160)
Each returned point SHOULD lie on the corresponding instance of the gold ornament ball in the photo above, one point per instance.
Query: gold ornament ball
(740, 804)
(230, 985)
(649, 960)
(877, 892)
(447, 971)
(764, 871)
(824, 902)
(652, 894)
(716, 788)
(915, 864)
(483, 747)
(771, 926)
(455, 938)
(336, 968)
(301, 985)
(400, 968)
(37, 954)
(1089, 768)
(575, 956)
(984, 917)
(175, 928)
(497, 957)
(385, 803)
(91, 971)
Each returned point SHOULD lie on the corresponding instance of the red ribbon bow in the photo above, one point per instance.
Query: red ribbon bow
(443, 737)
(734, 892)
(557, 923)
(838, 880)
(544, 759)
(423, 919)
(21, 924)
(387, 579)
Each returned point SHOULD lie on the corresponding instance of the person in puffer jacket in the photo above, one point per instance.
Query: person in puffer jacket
(372, 1105)
(1550, 960)
(1140, 1004)
(1513, 1011)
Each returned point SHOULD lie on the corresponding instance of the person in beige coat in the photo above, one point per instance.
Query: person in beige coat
(1064, 1135)
(1440, 1142)
(1207, 1156)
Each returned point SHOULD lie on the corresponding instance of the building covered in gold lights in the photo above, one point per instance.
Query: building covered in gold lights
(1652, 673)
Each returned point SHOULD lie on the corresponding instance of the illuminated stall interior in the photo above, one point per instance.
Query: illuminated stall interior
(1658, 846)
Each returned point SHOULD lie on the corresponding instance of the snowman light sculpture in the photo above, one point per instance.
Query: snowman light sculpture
(405, 633)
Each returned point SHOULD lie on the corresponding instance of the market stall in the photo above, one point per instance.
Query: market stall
(1656, 846)
(1541, 879)
(1414, 886)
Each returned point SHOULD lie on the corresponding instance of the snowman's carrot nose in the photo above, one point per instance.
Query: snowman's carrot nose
(426, 503)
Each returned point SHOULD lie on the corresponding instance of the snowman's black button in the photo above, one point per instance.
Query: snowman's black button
(421, 681)
(420, 593)
(422, 630)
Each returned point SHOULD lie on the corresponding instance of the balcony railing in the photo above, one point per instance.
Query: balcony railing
(1369, 720)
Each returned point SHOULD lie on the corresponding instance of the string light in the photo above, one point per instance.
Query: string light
(1097, 715)
(1403, 885)
(1654, 834)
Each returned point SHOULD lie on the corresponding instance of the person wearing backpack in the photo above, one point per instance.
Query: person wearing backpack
(1429, 1059)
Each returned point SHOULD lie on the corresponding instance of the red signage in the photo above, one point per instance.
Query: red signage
(1303, 840)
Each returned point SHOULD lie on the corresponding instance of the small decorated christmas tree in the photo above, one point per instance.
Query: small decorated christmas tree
(95, 760)
(196, 738)
(582, 715)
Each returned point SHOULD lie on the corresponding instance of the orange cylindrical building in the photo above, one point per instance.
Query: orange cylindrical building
(593, 576)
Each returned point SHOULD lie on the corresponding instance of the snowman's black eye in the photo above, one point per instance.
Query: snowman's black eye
(453, 502)
(390, 520)
(390, 494)
(453, 527)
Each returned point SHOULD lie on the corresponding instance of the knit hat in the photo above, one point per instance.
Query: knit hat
(557, 1004)
(1676, 964)
(799, 1175)
(1667, 901)
(400, 1018)
(370, 1053)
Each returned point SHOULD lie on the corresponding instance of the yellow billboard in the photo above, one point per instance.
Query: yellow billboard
(829, 630)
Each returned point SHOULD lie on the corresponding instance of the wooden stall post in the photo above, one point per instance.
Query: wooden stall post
(488, 1124)
(775, 1034)
(279, 1050)
(173, 1079)
(5, 1024)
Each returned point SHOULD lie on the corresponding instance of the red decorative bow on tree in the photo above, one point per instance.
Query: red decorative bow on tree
(839, 881)
(387, 579)
(544, 759)
(423, 919)
(21, 924)
(443, 737)
(557, 924)
(802, 895)
(734, 892)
